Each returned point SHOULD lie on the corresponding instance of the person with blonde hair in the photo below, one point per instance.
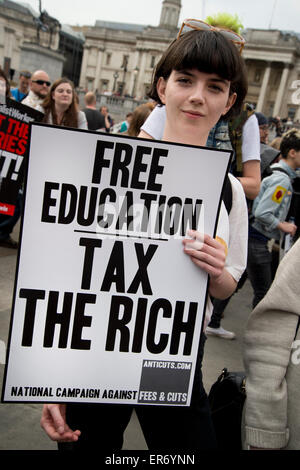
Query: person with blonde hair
(276, 143)
(139, 116)
(95, 120)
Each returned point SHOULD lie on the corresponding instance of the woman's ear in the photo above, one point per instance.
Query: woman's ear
(161, 89)
(230, 102)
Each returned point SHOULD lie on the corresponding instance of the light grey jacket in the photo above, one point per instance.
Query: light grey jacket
(272, 204)
(271, 356)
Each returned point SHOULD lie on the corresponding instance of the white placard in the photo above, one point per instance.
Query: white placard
(107, 306)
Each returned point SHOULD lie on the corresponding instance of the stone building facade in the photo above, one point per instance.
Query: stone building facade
(119, 58)
(31, 40)
(273, 64)
(24, 45)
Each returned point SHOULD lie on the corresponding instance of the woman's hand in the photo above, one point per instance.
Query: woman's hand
(53, 422)
(210, 255)
(287, 227)
(206, 252)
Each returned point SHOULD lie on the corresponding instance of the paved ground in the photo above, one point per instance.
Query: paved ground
(19, 423)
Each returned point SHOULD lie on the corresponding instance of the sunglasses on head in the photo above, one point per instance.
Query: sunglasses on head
(199, 25)
(42, 82)
(25, 74)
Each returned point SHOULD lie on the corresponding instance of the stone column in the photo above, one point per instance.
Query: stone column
(297, 116)
(99, 68)
(142, 62)
(281, 90)
(82, 82)
(262, 94)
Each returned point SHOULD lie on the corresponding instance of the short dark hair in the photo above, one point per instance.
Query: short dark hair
(290, 141)
(25, 73)
(209, 52)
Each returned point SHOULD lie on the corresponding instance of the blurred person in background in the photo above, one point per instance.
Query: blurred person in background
(139, 116)
(39, 87)
(125, 124)
(4, 87)
(95, 119)
(263, 127)
(276, 143)
(269, 213)
(22, 90)
(108, 120)
(60, 106)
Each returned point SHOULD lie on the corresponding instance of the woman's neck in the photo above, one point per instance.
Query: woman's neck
(172, 134)
(60, 110)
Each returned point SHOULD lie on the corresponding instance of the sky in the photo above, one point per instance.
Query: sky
(261, 14)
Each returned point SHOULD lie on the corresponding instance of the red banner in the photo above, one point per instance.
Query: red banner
(15, 119)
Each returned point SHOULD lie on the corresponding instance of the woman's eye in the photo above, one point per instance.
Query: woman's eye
(215, 88)
(183, 80)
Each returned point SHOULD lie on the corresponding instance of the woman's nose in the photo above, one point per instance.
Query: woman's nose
(198, 95)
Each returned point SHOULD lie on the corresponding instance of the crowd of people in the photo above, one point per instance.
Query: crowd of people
(198, 98)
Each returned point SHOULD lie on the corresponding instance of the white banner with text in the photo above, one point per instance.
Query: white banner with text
(107, 306)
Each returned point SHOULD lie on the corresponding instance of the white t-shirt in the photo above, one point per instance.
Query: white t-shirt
(155, 124)
(250, 140)
(235, 228)
(233, 232)
(232, 229)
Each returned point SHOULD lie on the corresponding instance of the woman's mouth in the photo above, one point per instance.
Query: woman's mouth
(193, 114)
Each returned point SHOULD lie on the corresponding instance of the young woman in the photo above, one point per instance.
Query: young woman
(245, 142)
(199, 78)
(60, 106)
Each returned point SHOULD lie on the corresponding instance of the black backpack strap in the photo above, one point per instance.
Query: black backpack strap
(279, 168)
(297, 328)
(227, 195)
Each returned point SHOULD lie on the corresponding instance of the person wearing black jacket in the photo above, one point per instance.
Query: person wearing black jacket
(94, 118)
